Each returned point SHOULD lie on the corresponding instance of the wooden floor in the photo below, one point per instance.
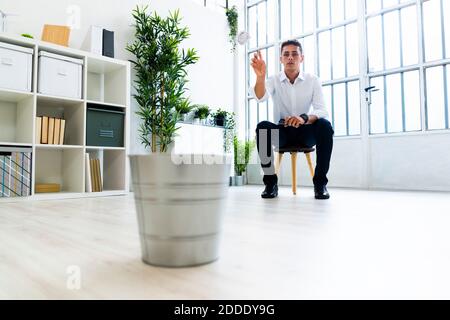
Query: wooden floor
(359, 244)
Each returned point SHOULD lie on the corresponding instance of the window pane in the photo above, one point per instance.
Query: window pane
(262, 31)
(392, 39)
(354, 108)
(351, 9)
(262, 112)
(409, 36)
(253, 113)
(337, 11)
(271, 12)
(327, 98)
(323, 9)
(308, 15)
(394, 103)
(338, 53)
(448, 92)
(446, 4)
(252, 26)
(435, 98)
(251, 72)
(340, 115)
(412, 101)
(271, 66)
(377, 107)
(297, 20)
(324, 56)
(375, 44)
(432, 30)
(389, 3)
(373, 5)
(270, 103)
(352, 50)
(285, 22)
(308, 51)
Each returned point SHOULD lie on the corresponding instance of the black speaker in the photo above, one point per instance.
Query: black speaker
(108, 43)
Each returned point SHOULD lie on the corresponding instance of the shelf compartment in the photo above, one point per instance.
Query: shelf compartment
(61, 166)
(16, 118)
(14, 95)
(104, 82)
(70, 110)
(112, 167)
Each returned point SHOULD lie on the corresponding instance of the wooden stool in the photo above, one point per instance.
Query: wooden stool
(293, 150)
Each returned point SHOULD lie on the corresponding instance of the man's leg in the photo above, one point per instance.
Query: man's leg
(323, 134)
(319, 134)
(269, 134)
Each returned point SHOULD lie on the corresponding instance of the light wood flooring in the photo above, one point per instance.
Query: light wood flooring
(359, 244)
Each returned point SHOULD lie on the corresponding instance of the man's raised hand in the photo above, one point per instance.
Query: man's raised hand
(258, 65)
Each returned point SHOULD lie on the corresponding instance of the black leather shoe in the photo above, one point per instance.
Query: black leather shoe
(321, 192)
(270, 192)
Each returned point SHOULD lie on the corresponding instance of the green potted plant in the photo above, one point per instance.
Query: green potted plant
(202, 112)
(219, 117)
(179, 202)
(183, 108)
(242, 152)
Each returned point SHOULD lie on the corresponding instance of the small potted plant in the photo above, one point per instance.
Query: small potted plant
(202, 112)
(220, 117)
(183, 108)
(242, 152)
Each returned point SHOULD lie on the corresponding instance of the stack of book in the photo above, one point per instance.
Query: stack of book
(50, 130)
(93, 179)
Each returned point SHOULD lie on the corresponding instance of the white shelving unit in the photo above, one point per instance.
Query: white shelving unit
(106, 82)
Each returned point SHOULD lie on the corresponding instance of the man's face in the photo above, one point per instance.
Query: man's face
(291, 58)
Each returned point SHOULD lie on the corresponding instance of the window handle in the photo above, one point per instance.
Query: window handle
(371, 89)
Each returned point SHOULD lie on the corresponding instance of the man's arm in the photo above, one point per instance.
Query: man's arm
(260, 87)
(259, 67)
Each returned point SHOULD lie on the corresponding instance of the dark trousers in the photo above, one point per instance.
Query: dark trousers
(319, 134)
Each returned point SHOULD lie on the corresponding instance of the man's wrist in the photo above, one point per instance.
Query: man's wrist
(305, 117)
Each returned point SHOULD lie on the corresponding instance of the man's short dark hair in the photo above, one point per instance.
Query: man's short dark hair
(292, 43)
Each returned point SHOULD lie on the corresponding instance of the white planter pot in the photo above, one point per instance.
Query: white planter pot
(179, 209)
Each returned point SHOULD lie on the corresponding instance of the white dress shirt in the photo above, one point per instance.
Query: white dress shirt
(303, 96)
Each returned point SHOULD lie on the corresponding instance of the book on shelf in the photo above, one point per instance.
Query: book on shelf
(38, 129)
(99, 175)
(88, 174)
(94, 40)
(44, 135)
(57, 131)
(62, 131)
(51, 130)
(93, 176)
(47, 187)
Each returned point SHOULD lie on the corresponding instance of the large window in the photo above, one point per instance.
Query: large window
(406, 59)
(337, 49)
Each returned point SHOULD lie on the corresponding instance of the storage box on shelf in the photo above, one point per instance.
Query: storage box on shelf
(60, 75)
(16, 65)
(15, 171)
(105, 126)
(61, 83)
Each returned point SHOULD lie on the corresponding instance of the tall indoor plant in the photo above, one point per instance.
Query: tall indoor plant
(179, 206)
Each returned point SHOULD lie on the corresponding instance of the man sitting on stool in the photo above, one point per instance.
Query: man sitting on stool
(298, 103)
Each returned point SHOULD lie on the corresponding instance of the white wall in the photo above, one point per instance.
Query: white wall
(211, 79)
